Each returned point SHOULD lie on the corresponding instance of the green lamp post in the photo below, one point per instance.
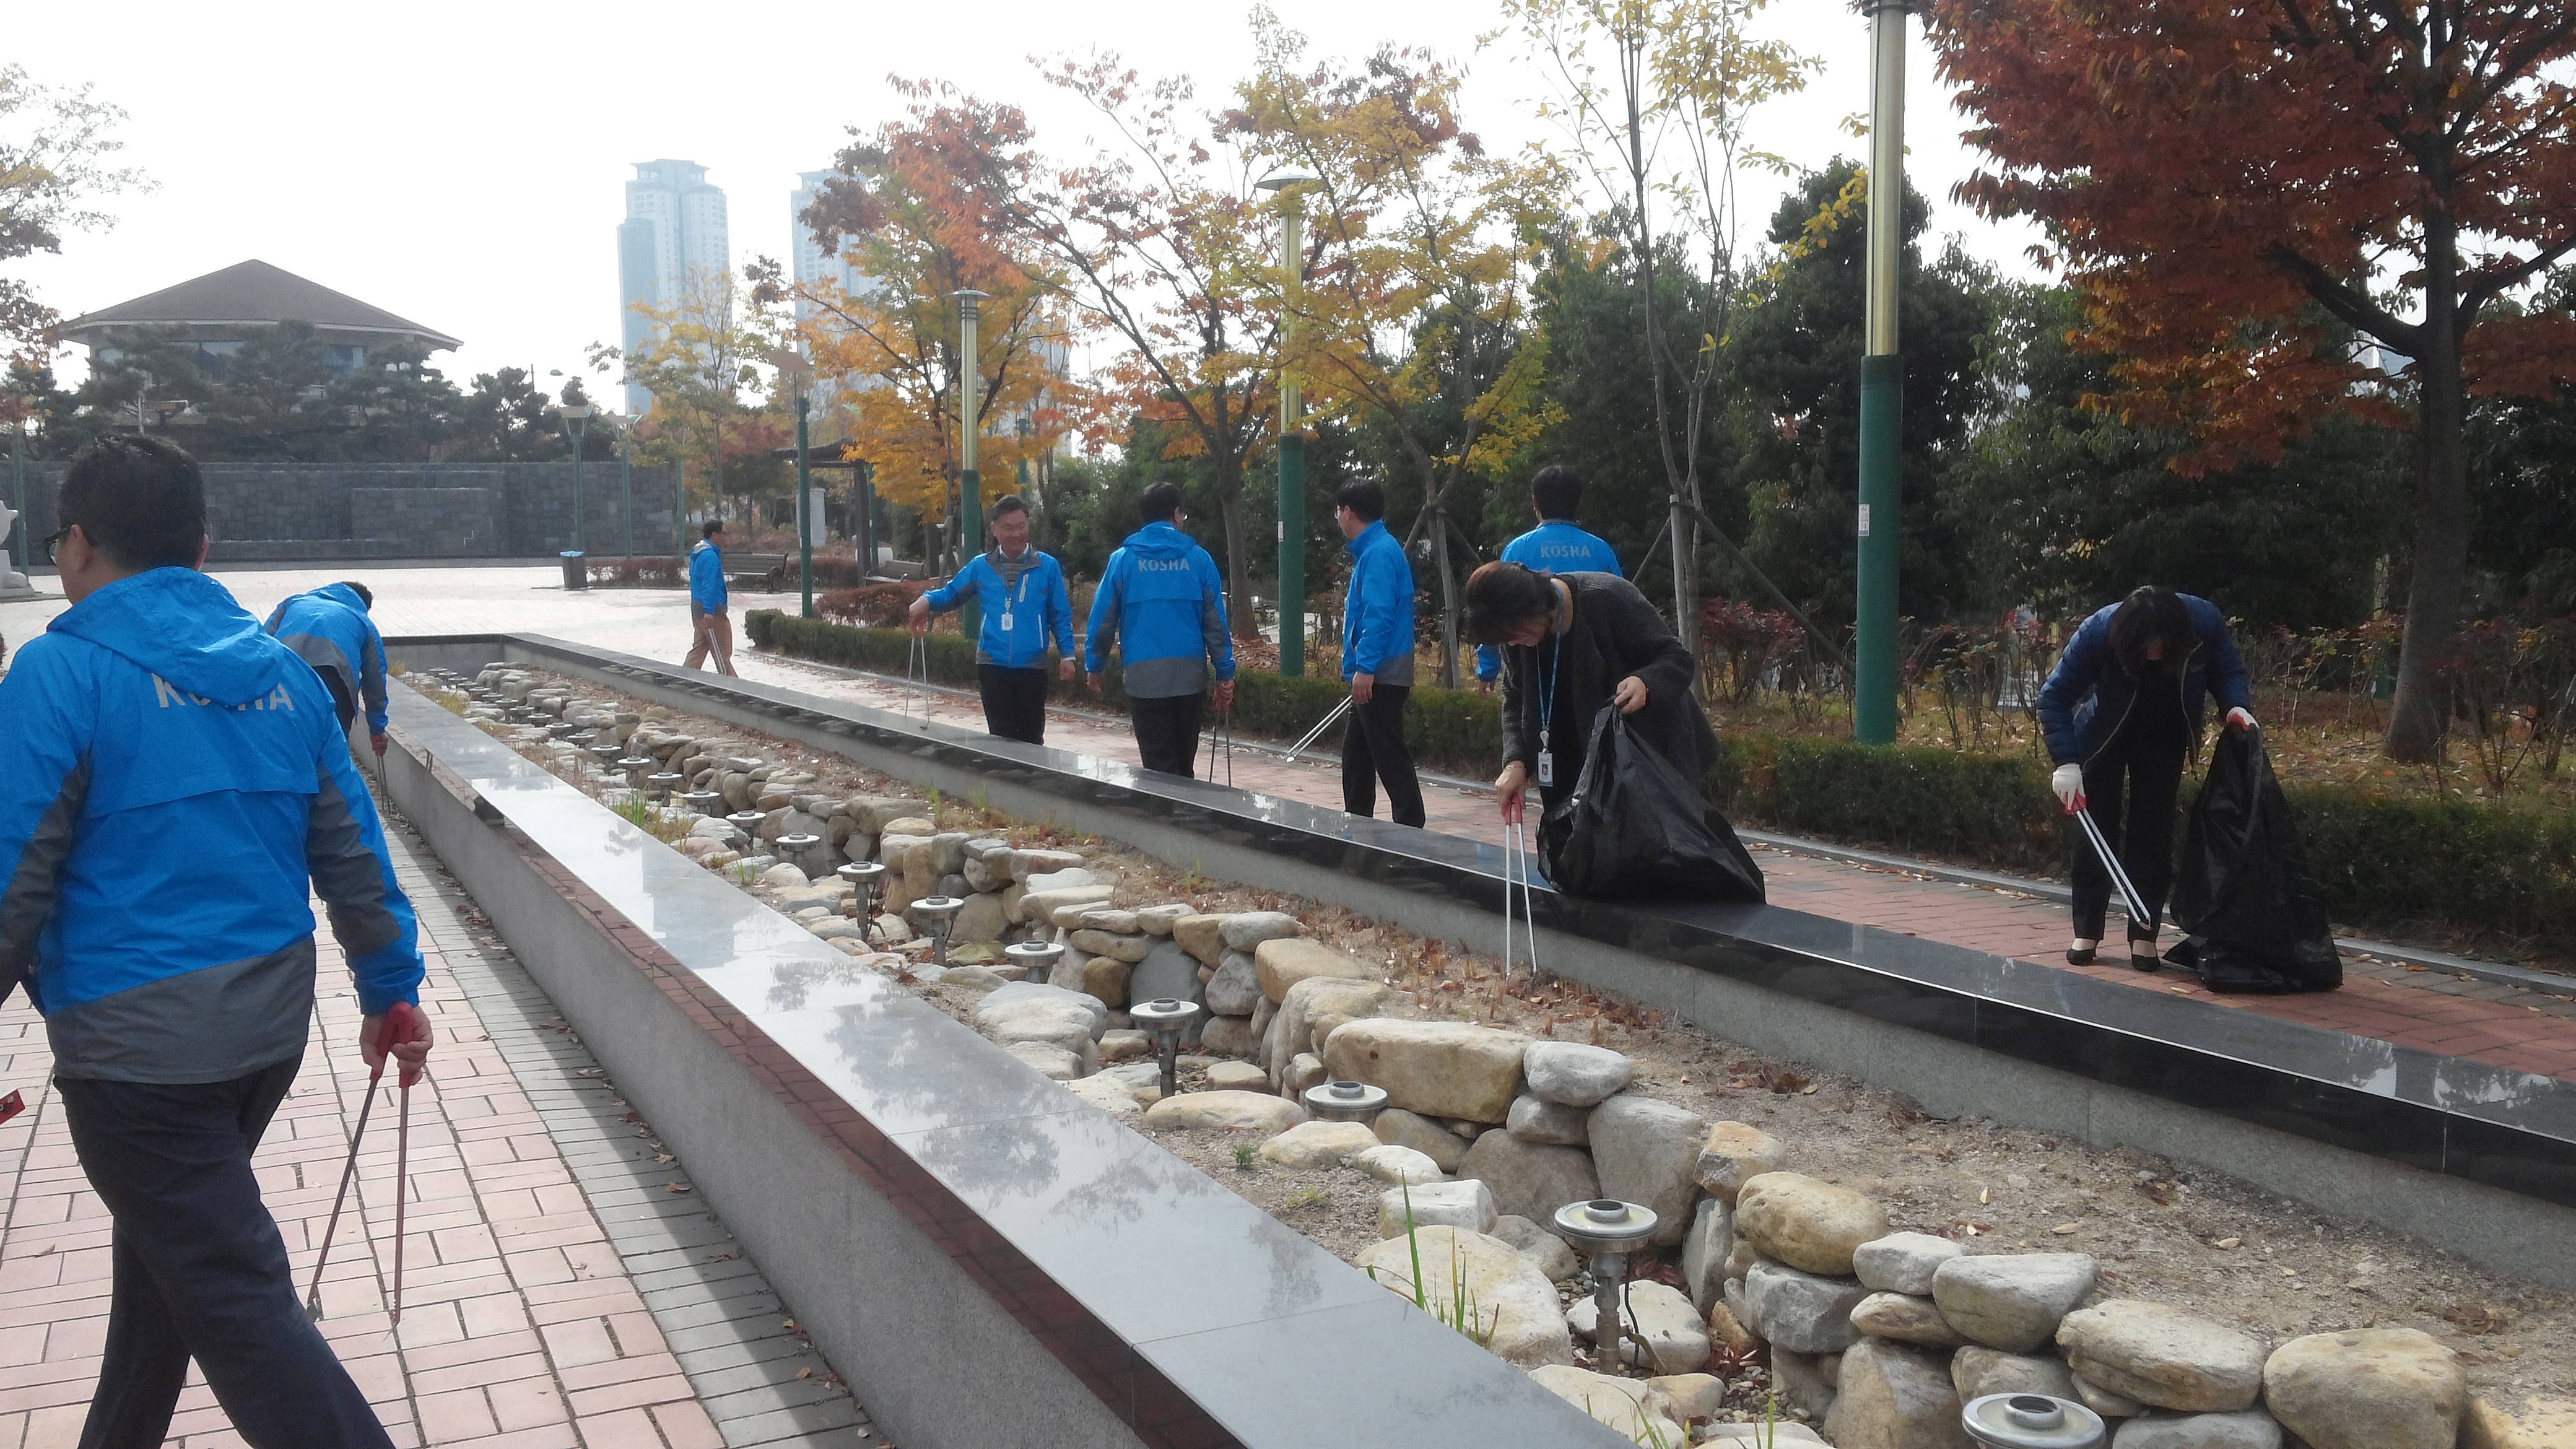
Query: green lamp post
(970, 484)
(1290, 188)
(792, 366)
(575, 418)
(1882, 391)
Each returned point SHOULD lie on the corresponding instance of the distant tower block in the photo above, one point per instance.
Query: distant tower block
(674, 229)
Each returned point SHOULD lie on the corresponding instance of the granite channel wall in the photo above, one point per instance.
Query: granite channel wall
(262, 512)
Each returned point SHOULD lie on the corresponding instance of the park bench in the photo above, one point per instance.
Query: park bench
(763, 572)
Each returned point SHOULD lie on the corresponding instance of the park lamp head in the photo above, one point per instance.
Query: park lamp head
(1280, 182)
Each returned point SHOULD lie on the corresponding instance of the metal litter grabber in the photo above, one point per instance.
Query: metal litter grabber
(1220, 738)
(398, 1028)
(1321, 725)
(1516, 872)
(916, 676)
(2129, 897)
(349, 1173)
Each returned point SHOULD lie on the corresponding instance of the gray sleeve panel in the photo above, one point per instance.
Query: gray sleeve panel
(203, 1026)
(327, 657)
(371, 672)
(347, 875)
(27, 897)
(1163, 678)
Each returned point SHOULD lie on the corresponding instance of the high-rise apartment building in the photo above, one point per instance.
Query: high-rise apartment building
(813, 266)
(674, 229)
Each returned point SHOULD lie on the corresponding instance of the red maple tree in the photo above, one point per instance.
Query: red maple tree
(2219, 177)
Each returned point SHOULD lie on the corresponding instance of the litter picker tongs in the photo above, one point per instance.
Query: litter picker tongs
(2110, 858)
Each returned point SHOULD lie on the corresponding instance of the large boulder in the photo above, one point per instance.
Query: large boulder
(1704, 1249)
(1977, 1372)
(1435, 1068)
(1631, 1407)
(2011, 1301)
(2368, 1388)
(1808, 1224)
(1801, 1312)
(1128, 949)
(1316, 1144)
(1247, 1111)
(1047, 1023)
(1462, 1269)
(1246, 931)
(2537, 1424)
(1287, 960)
(1317, 1006)
(1528, 1180)
(980, 919)
(1038, 905)
(1461, 1204)
(1535, 1119)
(1894, 1396)
(1538, 1245)
(1676, 1337)
(1166, 972)
(1643, 1150)
(1734, 1154)
(1228, 1036)
(1902, 1262)
(1234, 990)
(2162, 1356)
(1905, 1318)
(1397, 1127)
(1202, 936)
(1398, 1165)
(1040, 991)
(1103, 978)
(1575, 1075)
(2247, 1429)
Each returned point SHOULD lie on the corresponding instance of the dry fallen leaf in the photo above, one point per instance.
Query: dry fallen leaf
(1985, 1194)
(805, 1373)
(2064, 1228)
(679, 1187)
(2227, 1242)
(1808, 1090)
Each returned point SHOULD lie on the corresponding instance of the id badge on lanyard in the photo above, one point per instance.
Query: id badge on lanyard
(1546, 763)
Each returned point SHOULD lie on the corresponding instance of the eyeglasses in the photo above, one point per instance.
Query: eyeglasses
(45, 545)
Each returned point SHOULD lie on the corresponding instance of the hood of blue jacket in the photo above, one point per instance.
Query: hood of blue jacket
(1161, 540)
(340, 594)
(186, 628)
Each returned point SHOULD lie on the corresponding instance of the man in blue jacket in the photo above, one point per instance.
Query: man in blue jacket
(1556, 545)
(711, 628)
(1377, 658)
(173, 782)
(1162, 603)
(328, 628)
(1022, 596)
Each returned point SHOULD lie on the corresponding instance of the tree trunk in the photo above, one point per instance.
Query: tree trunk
(2422, 713)
(1238, 574)
(1448, 602)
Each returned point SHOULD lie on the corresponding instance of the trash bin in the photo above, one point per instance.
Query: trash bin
(576, 569)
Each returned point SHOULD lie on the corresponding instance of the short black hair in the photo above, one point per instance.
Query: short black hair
(1556, 491)
(1160, 502)
(2150, 612)
(1502, 596)
(366, 596)
(714, 527)
(1007, 503)
(1362, 496)
(140, 501)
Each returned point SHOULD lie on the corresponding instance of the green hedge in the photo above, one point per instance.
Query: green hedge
(2378, 861)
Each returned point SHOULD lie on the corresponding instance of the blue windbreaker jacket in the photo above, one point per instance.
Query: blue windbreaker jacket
(1022, 600)
(706, 577)
(170, 780)
(1560, 548)
(2088, 694)
(328, 628)
(1162, 603)
(1377, 612)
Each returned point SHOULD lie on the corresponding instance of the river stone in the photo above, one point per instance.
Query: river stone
(1201, 936)
(2011, 1301)
(1052, 1023)
(1435, 1068)
(1283, 962)
(1510, 1293)
(1115, 922)
(1052, 1062)
(1318, 1006)
(1733, 1154)
(1158, 920)
(1704, 1249)
(1529, 1180)
(1264, 1012)
(1535, 1120)
(1237, 1077)
(1234, 990)
(2538, 1424)
(973, 978)
(2368, 1388)
(1575, 1075)
(1676, 1336)
(910, 825)
(1895, 1396)
(1041, 906)
(1462, 1204)
(1039, 991)
(1805, 1381)
(1810, 1225)
(981, 919)
(782, 876)
(1902, 1262)
(1252, 1111)
(2162, 1356)
(1129, 949)
(1026, 863)
(1143, 1080)
(1304, 1072)
(1643, 1149)
(1400, 1165)
(1537, 1244)
(1630, 1407)
(1798, 1311)
(1976, 1372)
(982, 877)
(1400, 1128)
(1126, 1044)
(1229, 1036)
(1248, 930)
(2106, 1403)
(1906, 1318)
(1166, 972)
(2248, 1429)
(1312, 1144)
(948, 851)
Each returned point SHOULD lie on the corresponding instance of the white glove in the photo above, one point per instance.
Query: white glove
(2068, 783)
(2240, 719)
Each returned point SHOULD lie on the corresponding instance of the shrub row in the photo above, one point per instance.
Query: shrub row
(2377, 860)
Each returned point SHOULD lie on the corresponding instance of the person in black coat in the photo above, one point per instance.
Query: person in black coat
(1571, 644)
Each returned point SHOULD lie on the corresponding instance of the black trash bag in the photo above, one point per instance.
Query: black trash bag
(2244, 895)
(1635, 826)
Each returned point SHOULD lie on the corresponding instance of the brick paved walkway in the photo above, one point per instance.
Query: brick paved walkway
(557, 1293)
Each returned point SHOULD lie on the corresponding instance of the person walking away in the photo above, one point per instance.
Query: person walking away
(1571, 644)
(329, 628)
(1377, 658)
(711, 628)
(1022, 595)
(1162, 603)
(2120, 712)
(174, 782)
(1557, 545)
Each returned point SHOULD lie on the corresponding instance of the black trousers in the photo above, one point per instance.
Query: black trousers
(200, 1271)
(2152, 776)
(1167, 731)
(1014, 702)
(1373, 750)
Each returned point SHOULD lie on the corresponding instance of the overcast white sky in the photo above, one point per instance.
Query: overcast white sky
(464, 165)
